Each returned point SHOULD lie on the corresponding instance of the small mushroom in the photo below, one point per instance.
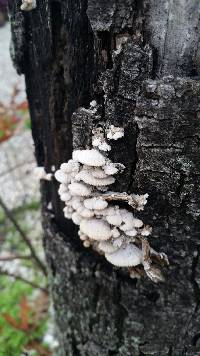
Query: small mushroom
(107, 247)
(110, 169)
(28, 5)
(115, 219)
(65, 196)
(79, 189)
(62, 189)
(98, 173)
(127, 256)
(76, 218)
(132, 232)
(95, 203)
(96, 229)
(86, 213)
(88, 178)
(90, 157)
(70, 166)
(62, 177)
(76, 202)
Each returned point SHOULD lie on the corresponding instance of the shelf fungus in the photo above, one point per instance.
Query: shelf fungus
(110, 230)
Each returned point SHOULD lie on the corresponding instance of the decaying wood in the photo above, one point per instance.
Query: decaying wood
(70, 54)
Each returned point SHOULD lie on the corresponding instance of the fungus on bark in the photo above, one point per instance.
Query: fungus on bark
(103, 224)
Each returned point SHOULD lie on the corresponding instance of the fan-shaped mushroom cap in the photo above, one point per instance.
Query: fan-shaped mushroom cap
(86, 213)
(107, 247)
(88, 178)
(115, 219)
(90, 157)
(96, 229)
(70, 166)
(79, 189)
(65, 196)
(98, 173)
(137, 222)
(62, 177)
(105, 212)
(76, 218)
(76, 202)
(63, 188)
(132, 232)
(125, 256)
(95, 203)
(68, 209)
(28, 5)
(110, 169)
(128, 220)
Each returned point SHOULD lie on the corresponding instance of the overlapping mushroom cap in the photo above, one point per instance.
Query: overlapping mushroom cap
(106, 227)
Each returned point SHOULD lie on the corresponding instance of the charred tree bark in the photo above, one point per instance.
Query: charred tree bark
(70, 54)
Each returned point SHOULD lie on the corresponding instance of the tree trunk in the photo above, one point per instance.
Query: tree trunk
(70, 54)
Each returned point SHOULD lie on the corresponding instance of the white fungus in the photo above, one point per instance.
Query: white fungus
(107, 247)
(28, 5)
(115, 220)
(62, 189)
(93, 103)
(132, 232)
(127, 256)
(62, 177)
(70, 166)
(114, 133)
(79, 189)
(88, 178)
(65, 196)
(99, 173)
(95, 203)
(115, 232)
(103, 225)
(96, 229)
(110, 169)
(76, 218)
(86, 213)
(90, 157)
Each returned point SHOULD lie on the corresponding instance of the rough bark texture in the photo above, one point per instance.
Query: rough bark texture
(67, 50)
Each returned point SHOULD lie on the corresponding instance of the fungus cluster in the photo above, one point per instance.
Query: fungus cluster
(28, 5)
(109, 229)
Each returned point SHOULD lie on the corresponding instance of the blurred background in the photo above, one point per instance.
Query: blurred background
(26, 318)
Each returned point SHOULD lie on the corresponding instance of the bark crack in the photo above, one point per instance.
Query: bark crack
(135, 161)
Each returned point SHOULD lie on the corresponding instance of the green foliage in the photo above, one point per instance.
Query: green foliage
(13, 340)
(27, 124)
